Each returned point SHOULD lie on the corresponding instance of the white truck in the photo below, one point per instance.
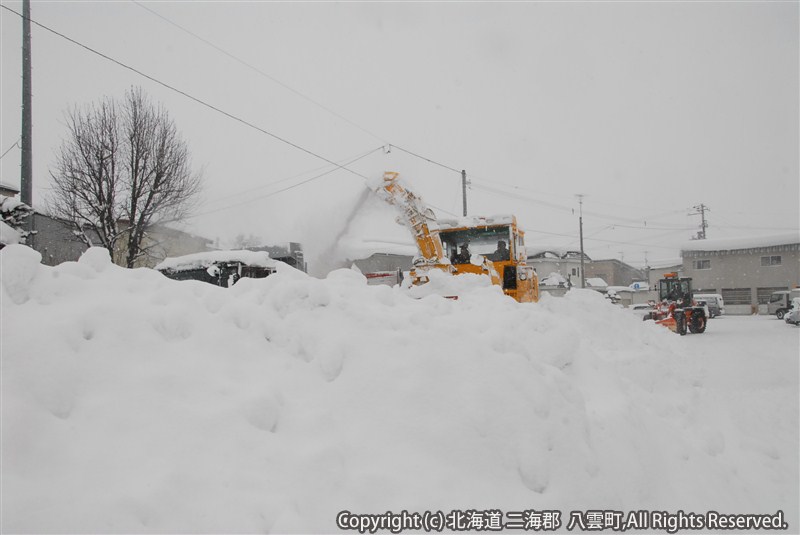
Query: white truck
(781, 301)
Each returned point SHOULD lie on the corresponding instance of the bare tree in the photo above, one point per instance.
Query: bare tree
(122, 169)
(86, 179)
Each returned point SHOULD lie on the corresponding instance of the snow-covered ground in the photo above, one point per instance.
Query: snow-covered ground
(135, 403)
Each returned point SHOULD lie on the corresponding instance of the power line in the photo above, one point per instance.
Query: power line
(592, 213)
(523, 198)
(185, 94)
(257, 70)
(260, 197)
(428, 159)
(16, 144)
(297, 175)
(532, 231)
(289, 88)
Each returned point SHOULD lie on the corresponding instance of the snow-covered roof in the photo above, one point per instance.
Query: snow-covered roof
(8, 235)
(729, 244)
(665, 263)
(596, 282)
(8, 187)
(208, 258)
(619, 289)
(548, 251)
(364, 249)
(475, 221)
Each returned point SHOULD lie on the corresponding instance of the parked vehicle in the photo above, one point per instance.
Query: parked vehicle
(781, 301)
(645, 310)
(793, 316)
(716, 306)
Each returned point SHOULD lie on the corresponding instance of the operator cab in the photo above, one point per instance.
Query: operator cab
(484, 241)
(671, 288)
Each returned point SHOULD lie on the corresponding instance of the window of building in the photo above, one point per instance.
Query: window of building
(774, 260)
(574, 271)
(701, 264)
(764, 294)
(737, 296)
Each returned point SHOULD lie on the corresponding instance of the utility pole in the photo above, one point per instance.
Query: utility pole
(580, 222)
(464, 189)
(26, 173)
(701, 210)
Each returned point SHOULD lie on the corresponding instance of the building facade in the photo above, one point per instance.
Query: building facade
(614, 272)
(744, 271)
(656, 270)
(57, 240)
(161, 242)
(565, 263)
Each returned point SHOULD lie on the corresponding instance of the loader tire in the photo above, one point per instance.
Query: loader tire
(680, 323)
(698, 324)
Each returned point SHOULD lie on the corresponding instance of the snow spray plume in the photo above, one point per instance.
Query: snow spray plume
(331, 258)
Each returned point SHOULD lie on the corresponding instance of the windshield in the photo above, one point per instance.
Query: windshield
(673, 289)
(484, 241)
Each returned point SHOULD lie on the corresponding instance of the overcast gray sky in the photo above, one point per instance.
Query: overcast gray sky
(646, 108)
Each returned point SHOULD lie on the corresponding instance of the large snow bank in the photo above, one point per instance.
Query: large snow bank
(135, 403)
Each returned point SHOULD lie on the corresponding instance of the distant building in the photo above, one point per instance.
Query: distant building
(291, 253)
(161, 242)
(58, 240)
(744, 270)
(655, 270)
(566, 263)
(381, 262)
(614, 272)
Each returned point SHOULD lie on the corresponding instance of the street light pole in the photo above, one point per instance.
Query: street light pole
(26, 171)
(580, 222)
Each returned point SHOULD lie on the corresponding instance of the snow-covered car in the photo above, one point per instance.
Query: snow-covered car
(793, 316)
(644, 310)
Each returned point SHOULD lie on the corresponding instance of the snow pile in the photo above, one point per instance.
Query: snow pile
(442, 284)
(9, 204)
(208, 258)
(13, 214)
(8, 235)
(152, 405)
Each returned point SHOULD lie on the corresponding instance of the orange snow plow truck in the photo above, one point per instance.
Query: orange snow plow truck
(491, 246)
(677, 309)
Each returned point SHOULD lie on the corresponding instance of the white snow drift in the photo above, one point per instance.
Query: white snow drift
(135, 403)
